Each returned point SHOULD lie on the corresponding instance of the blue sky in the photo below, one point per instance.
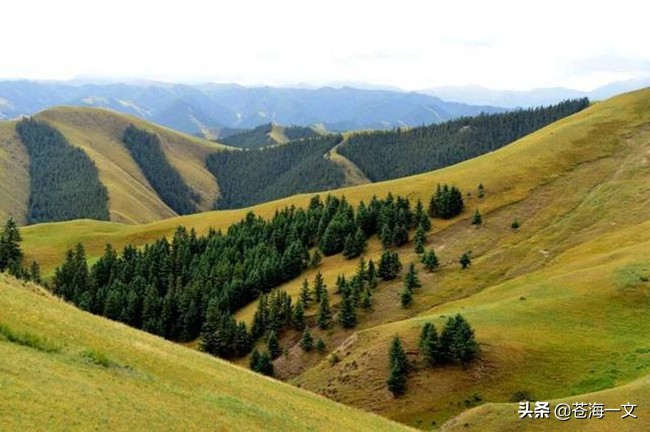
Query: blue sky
(406, 44)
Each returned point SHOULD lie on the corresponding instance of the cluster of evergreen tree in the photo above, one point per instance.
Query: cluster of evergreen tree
(192, 285)
(260, 136)
(64, 182)
(446, 203)
(164, 179)
(299, 132)
(456, 343)
(253, 138)
(259, 175)
(398, 153)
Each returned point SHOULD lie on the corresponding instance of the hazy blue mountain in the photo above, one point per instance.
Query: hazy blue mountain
(529, 98)
(194, 109)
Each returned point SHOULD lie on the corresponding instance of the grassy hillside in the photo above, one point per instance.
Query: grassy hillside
(557, 304)
(14, 174)
(56, 359)
(548, 154)
(132, 199)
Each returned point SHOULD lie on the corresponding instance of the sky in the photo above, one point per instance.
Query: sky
(407, 44)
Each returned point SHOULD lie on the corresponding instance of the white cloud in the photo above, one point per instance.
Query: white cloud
(409, 44)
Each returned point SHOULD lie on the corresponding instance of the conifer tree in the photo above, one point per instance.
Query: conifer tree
(348, 313)
(372, 275)
(457, 341)
(400, 235)
(389, 265)
(406, 298)
(324, 316)
(366, 300)
(481, 190)
(10, 252)
(466, 260)
(319, 286)
(421, 217)
(316, 259)
(320, 345)
(477, 219)
(420, 239)
(430, 260)
(387, 237)
(265, 364)
(273, 345)
(307, 341)
(305, 294)
(362, 269)
(396, 382)
(430, 344)
(398, 363)
(411, 280)
(299, 316)
(515, 224)
(341, 284)
(254, 360)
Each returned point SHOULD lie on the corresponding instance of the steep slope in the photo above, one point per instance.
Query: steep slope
(57, 359)
(14, 174)
(132, 199)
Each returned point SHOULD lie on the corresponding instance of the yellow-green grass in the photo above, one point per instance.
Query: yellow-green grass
(277, 134)
(557, 303)
(65, 369)
(509, 174)
(572, 327)
(132, 199)
(353, 174)
(14, 175)
(503, 417)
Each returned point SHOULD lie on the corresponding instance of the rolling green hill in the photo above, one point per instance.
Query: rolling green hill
(181, 174)
(98, 133)
(556, 304)
(63, 368)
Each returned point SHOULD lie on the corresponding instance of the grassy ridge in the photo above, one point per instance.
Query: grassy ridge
(555, 304)
(542, 156)
(129, 380)
(14, 175)
(131, 198)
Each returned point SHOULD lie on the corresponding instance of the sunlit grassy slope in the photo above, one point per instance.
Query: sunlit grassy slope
(557, 305)
(14, 174)
(132, 199)
(63, 369)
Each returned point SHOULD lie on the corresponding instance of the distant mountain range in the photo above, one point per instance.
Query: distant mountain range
(206, 109)
(534, 97)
